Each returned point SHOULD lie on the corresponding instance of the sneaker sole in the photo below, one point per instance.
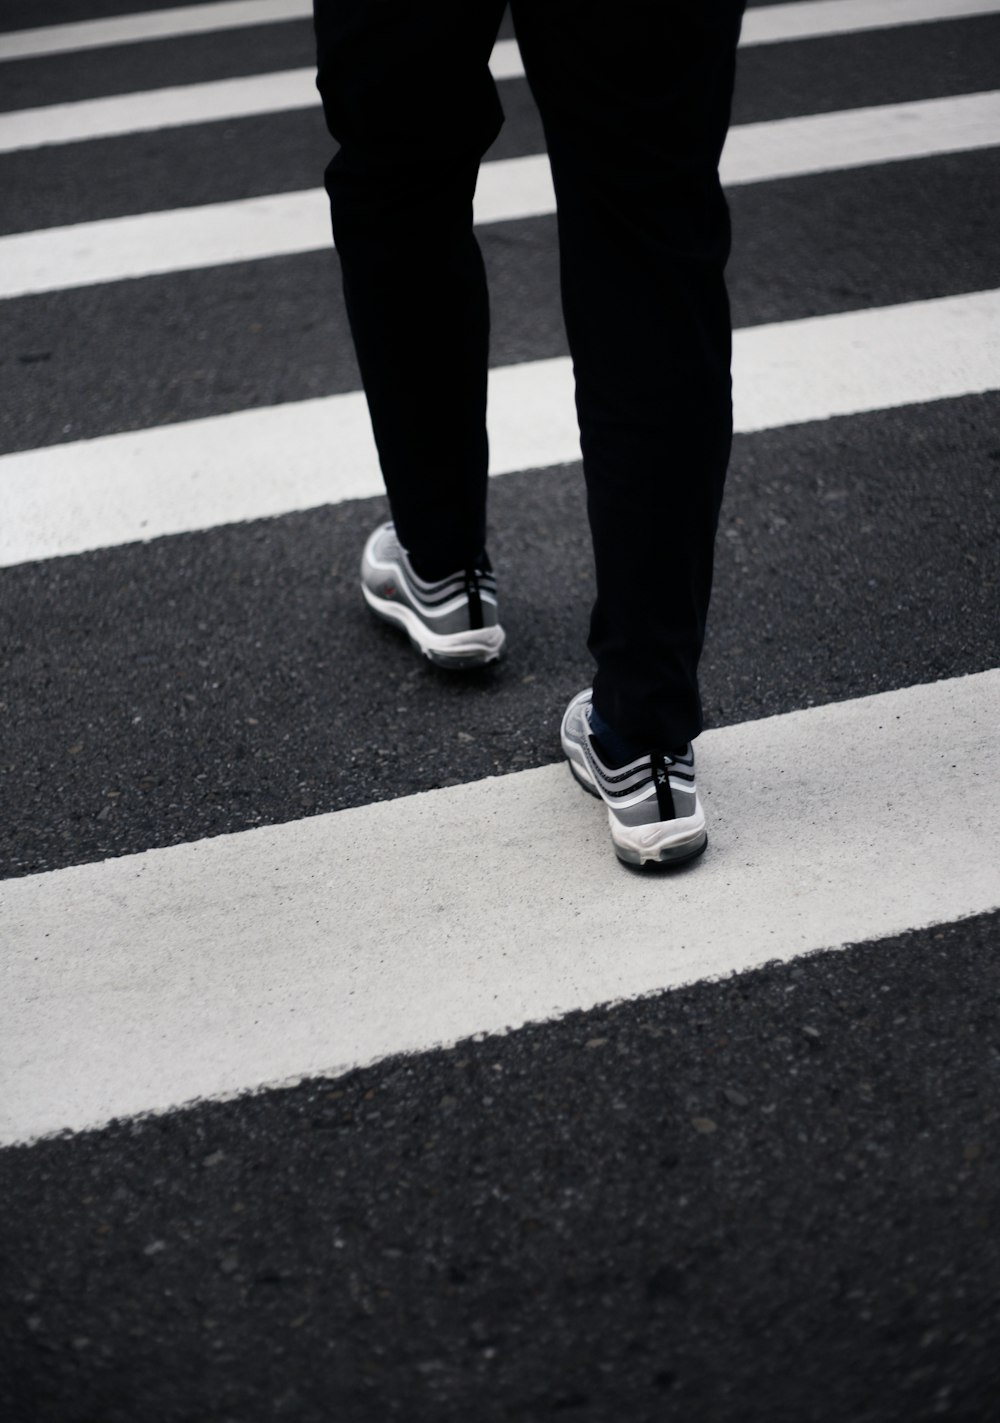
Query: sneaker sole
(672, 850)
(454, 650)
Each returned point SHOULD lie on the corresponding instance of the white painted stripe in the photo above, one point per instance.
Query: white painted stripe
(276, 92)
(285, 224)
(254, 464)
(158, 108)
(852, 138)
(150, 244)
(149, 25)
(211, 968)
(764, 25)
(152, 109)
(854, 361)
(812, 19)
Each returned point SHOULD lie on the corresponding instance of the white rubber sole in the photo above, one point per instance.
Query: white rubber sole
(456, 650)
(668, 842)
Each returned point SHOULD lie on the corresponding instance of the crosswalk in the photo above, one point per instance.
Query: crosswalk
(509, 190)
(264, 463)
(767, 24)
(247, 842)
(285, 90)
(860, 875)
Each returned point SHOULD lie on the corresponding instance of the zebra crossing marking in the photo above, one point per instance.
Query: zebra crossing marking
(770, 24)
(212, 968)
(175, 106)
(255, 464)
(76, 1018)
(816, 19)
(179, 105)
(510, 189)
(149, 25)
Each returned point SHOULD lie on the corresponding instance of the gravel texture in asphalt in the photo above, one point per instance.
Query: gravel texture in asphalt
(771, 1198)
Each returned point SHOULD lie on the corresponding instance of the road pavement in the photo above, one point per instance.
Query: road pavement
(340, 1080)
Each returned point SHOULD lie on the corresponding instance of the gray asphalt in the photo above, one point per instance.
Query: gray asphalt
(247, 157)
(128, 355)
(205, 683)
(770, 1198)
(801, 77)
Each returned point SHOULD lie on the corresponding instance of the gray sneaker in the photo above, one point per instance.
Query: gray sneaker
(653, 806)
(454, 621)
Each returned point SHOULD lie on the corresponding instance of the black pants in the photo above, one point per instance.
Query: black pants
(634, 97)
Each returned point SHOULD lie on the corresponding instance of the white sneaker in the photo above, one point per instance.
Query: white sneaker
(653, 807)
(453, 621)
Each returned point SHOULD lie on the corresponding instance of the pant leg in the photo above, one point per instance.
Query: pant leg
(407, 94)
(635, 99)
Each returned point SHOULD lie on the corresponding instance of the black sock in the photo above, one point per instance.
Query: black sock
(616, 750)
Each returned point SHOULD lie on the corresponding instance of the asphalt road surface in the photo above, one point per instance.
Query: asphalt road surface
(344, 1073)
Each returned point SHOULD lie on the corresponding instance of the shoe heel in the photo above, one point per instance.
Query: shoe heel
(669, 857)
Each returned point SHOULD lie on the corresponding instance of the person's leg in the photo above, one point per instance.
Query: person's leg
(408, 95)
(635, 100)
